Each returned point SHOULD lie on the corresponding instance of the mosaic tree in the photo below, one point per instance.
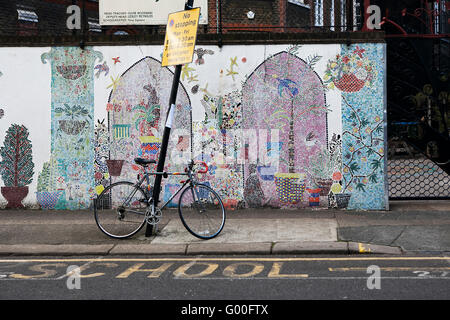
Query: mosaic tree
(17, 165)
(363, 160)
(17, 161)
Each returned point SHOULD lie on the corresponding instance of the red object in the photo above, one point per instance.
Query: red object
(205, 165)
(115, 167)
(349, 83)
(312, 191)
(14, 196)
(337, 176)
(230, 204)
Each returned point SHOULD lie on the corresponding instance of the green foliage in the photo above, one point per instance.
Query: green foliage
(17, 164)
(43, 183)
(72, 112)
(146, 114)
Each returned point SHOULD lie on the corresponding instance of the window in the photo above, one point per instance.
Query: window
(318, 13)
(27, 21)
(121, 33)
(332, 16)
(27, 15)
(300, 3)
(343, 15)
(357, 15)
(94, 26)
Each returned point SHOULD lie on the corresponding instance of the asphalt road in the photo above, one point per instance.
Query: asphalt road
(244, 278)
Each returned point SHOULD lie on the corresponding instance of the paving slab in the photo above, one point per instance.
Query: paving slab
(264, 230)
(49, 249)
(148, 248)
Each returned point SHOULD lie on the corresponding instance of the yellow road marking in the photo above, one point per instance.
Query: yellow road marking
(363, 249)
(391, 269)
(275, 272)
(230, 271)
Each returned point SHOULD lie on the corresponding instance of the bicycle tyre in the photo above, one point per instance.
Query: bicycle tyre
(204, 219)
(115, 220)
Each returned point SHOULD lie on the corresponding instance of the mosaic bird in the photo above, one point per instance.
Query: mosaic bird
(101, 68)
(287, 84)
(200, 53)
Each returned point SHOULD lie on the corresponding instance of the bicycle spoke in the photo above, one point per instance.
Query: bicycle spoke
(120, 210)
(201, 211)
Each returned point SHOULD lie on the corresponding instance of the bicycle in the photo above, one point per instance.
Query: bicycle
(123, 208)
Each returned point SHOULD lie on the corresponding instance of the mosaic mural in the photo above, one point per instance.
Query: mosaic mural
(363, 136)
(286, 127)
(67, 180)
(136, 108)
(286, 98)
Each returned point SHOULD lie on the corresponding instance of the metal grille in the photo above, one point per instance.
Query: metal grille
(417, 178)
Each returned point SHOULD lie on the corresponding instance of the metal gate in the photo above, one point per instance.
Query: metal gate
(418, 132)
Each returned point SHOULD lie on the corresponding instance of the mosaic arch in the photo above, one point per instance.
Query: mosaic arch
(284, 110)
(137, 108)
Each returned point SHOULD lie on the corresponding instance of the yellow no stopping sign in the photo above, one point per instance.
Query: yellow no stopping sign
(181, 34)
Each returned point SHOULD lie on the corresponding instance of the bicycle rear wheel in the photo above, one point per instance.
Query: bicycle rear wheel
(120, 210)
(201, 211)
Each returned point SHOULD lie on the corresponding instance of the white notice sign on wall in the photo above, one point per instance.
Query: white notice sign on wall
(144, 12)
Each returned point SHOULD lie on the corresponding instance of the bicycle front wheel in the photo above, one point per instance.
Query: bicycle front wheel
(201, 211)
(120, 210)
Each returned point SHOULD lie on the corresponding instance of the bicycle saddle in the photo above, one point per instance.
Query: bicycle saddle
(144, 162)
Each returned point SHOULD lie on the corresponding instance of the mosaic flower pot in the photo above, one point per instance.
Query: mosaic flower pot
(230, 204)
(267, 172)
(325, 186)
(290, 187)
(314, 197)
(342, 199)
(349, 83)
(14, 196)
(72, 72)
(149, 145)
(48, 200)
(114, 167)
(72, 127)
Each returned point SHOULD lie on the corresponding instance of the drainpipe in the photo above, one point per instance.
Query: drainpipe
(217, 16)
(219, 25)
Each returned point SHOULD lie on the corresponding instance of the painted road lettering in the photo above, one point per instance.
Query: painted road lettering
(217, 268)
(43, 271)
(153, 273)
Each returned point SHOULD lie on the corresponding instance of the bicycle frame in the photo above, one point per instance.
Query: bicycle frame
(147, 175)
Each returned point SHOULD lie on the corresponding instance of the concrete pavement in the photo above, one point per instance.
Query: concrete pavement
(409, 227)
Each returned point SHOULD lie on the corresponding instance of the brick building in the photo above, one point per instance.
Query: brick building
(49, 17)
